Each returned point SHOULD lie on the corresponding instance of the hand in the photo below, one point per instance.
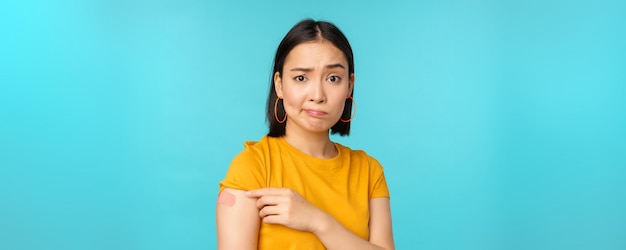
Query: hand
(288, 208)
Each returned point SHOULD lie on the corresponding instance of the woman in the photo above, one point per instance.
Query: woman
(295, 188)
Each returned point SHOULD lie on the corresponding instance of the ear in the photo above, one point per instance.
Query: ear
(351, 87)
(278, 84)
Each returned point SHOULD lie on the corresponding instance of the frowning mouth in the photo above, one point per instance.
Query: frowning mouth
(314, 112)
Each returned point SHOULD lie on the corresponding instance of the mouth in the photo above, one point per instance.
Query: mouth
(313, 112)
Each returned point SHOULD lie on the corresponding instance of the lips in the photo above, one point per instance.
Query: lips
(314, 112)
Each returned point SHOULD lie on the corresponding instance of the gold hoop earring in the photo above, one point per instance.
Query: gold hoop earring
(276, 114)
(353, 110)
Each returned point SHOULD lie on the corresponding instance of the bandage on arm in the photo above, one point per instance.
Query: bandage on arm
(237, 220)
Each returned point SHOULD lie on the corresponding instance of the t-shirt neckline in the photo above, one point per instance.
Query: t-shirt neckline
(309, 157)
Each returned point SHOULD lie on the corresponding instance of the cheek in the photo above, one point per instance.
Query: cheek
(291, 102)
(290, 93)
(336, 107)
(339, 101)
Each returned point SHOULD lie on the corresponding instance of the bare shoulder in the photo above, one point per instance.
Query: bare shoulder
(237, 219)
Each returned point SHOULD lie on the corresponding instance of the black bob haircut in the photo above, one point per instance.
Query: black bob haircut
(305, 31)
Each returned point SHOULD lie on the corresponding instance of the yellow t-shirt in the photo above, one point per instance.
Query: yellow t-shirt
(341, 186)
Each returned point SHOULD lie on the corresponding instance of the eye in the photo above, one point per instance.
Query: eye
(300, 78)
(333, 79)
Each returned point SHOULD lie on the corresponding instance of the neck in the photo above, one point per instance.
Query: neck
(317, 145)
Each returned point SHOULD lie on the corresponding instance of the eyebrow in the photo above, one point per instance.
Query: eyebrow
(330, 66)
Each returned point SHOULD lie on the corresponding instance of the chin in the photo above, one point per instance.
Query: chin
(318, 128)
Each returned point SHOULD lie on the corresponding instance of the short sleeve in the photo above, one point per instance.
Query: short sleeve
(378, 183)
(246, 172)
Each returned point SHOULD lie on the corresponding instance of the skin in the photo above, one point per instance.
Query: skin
(314, 87)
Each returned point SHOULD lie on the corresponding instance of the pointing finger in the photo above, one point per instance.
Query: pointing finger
(265, 191)
(270, 200)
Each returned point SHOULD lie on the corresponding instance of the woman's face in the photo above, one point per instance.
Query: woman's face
(314, 86)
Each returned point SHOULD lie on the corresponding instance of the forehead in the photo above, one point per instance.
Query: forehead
(319, 52)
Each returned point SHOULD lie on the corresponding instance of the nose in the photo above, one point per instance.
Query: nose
(317, 92)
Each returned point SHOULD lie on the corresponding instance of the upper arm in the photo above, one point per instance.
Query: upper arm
(237, 221)
(380, 223)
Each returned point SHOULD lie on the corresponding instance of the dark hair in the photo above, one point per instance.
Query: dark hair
(305, 31)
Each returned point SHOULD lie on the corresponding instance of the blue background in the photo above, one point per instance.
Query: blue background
(501, 124)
